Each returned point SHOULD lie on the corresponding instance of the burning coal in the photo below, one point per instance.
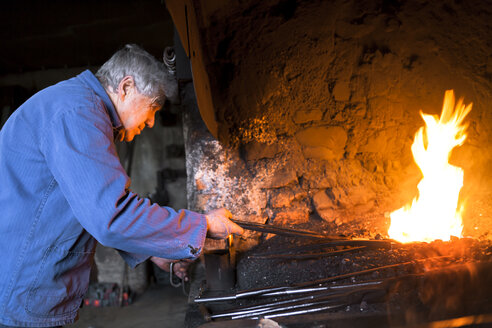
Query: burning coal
(435, 212)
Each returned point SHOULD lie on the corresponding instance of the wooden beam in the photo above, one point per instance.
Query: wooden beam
(188, 20)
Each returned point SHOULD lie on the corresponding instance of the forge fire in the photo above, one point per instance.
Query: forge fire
(330, 119)
(435, 213)
(317, 114)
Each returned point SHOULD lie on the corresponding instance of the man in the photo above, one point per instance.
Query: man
(62, 187)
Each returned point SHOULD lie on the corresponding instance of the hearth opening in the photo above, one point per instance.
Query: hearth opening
(352, 140)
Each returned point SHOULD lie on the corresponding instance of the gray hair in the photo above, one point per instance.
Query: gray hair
(151, 77)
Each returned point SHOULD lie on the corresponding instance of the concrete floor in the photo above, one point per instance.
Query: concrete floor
(157, 307)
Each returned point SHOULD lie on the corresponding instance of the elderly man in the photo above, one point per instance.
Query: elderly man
(62, 187)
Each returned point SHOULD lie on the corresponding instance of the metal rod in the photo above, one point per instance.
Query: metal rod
(282, 308)
(319, 296)
(318, 309)
(242, 294)
(283, 231)
(259, 291)
(361, 284)
(254, 308)
(321, 288)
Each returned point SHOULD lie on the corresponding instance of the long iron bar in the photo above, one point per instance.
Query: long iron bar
(321, 288)
(242, 294)
(254, 308)
(347, 298)
(305, 311)
(283, 231)
(313, 297)
(268, 310)
(259, 291)
(283, 308)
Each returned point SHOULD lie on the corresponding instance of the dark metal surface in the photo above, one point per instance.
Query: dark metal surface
(304, 256)
(260, 291)
(220, 270)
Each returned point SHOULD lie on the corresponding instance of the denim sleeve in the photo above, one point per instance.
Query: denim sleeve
(79, 150)
(133, 259)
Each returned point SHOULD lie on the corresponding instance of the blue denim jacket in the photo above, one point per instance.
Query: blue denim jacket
(61, 186)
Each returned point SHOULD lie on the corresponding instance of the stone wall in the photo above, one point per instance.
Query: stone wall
(318, 103)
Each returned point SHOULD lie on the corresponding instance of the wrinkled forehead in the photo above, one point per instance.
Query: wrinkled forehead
(153, 102)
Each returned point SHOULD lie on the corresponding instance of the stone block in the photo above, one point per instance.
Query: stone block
(356, 196)
(322, 201)
(323, 136)
(291, 217)
(329, 215)
(376, 143)
(300, 195)
(203, 202)
(327, 180)
(341, 91)
(325, 206)
(282, 198)
(280, 178)
(323, 142)
(256, 150)
(303, 116)
(322, 153)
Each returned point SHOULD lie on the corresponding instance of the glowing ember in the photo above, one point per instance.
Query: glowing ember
(435, 213)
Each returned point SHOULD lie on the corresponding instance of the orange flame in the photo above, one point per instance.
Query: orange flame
(434, 213)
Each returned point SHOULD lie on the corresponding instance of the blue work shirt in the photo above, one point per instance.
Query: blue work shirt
(61, 186)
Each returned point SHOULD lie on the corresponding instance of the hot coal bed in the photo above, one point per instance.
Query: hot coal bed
(344, 281)
(316, 107)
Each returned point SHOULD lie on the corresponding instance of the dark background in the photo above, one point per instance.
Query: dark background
(39, 35)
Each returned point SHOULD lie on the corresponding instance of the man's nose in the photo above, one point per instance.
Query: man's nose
(150, 122)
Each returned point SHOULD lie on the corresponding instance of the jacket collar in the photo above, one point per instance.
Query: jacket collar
(91, 81)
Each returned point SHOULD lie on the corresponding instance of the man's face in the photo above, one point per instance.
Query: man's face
(135, 111)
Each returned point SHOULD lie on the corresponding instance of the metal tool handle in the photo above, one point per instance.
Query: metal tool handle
(171, 274)
(283, 231)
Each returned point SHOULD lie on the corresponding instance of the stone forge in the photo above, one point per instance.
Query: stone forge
(316, 104)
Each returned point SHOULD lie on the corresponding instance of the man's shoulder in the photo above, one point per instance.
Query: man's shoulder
(69, 95)
(72, 90)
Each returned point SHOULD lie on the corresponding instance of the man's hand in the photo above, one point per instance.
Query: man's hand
(180, 267)
(219, 225)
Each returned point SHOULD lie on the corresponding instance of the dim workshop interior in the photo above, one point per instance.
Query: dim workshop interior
(351, 140)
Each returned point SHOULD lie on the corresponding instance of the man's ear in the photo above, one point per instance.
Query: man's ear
(126, 87)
